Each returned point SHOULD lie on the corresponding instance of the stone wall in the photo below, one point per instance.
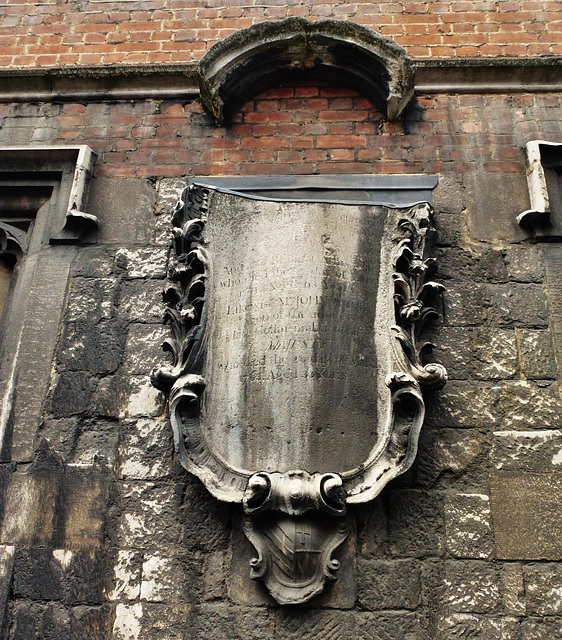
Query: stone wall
(105, 32)
(105, 536)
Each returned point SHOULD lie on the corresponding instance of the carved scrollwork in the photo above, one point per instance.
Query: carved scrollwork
(414, 293)
(185, 312)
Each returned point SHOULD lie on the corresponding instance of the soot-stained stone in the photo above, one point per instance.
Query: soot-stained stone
(389, 626)
(162, 579)
(543, 589)
(494, 353)
(94, 262)
(468, 526)
(448, 226)
(97, 439)
(54, 622)
(464, 404)
(471, 587)
(517, 304)
(448, 196)
(141, 301)
(6, 471)
(525, 263)
(541, 628)
(91, 299)
(86, 578)
(169, 191)
(527, 515)
(143, 350)
(211, 621)
(494, 200)
(132, 198)
(461, 626)
(164, 621)
(383, 584)
(453, 350)
(308, 624)
(145, 505)
(126, 575)
(24, 618)
(415, 523)
(37, 574)
(466, 304)
(529, 405)
(96, 348)
(205, 520)
(255, 623)
(443, 452)
(538, 451)
(146, 449)
(32, 497)
(122, 396)
(145, 262)
(486, 266)
(71, 394)
(214, 575)
(93, 623)
(536, 354)
(61, 434)
(513, 589)
(84, 507)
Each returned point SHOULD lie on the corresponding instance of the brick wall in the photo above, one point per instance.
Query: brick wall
(303, 129)
(103, 32)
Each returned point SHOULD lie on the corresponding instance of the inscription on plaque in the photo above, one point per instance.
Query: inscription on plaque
(292, 291)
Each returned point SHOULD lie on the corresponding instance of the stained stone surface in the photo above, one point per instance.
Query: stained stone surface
(105, 537)
(292, 373)
(527, 515)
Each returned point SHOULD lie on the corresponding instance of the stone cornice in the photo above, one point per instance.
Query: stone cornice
(479, 75)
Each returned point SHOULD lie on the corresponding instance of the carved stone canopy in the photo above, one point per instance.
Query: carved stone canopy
(298, 363)
(263, 55)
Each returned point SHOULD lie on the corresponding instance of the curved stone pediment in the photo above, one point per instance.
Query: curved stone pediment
(263, 55)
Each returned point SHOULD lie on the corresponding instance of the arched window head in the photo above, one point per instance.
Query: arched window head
(266, 54)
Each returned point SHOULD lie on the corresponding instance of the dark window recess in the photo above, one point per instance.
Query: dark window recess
(20, 201)
(551, 157)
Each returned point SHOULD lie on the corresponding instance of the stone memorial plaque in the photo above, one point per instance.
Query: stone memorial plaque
(295, 387)
(291, 353)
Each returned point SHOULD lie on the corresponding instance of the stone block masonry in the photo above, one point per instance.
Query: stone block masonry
(103, 535)
(439, 556)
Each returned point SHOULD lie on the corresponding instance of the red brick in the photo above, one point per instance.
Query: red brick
(330, 142)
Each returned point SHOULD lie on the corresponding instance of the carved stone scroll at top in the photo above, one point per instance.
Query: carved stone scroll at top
(282, 364)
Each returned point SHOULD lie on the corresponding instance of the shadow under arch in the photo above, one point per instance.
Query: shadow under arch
(266, 54)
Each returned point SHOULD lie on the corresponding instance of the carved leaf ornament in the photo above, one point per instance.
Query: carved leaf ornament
(231, 377)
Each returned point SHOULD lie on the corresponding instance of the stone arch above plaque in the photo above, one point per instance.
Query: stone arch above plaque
(266, 54)
(298, 358)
